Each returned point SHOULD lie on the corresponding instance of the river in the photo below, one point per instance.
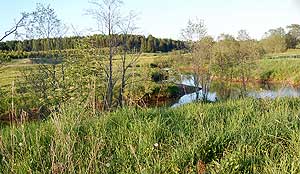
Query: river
(221, 91)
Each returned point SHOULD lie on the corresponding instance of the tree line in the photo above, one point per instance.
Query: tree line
(280, 39)
(274, 41)
(141, 43)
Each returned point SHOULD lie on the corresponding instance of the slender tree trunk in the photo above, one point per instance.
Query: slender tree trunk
(244, 77)
(62, 57)
(123, 81)
(196, 84)
(244, 84)
(110, 80)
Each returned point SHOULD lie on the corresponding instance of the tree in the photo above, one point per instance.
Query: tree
(249, 53)
(293, 35)
(150, 44)
(13, 30)
(243, 35)
(225, 61)
(19, 46)
(99, 41)
(107, 15)
(225, 52)
(127, 27)
(274, 41)
(43, 25)
(200, 47)
(117, 31)
(163, 45)
(202, 64)
(144, 44)
(194, 31)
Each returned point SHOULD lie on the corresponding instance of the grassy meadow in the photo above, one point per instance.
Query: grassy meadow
(12, 71)
(241, 136)
(289, 52)
(285, 70)
(234, 136)
(109, 97)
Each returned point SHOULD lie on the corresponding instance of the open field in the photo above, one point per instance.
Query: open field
(285, 70)
(12, 70)
(287, 54)
(242, 136)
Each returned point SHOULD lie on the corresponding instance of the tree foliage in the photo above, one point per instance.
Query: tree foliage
(137, 42)
(274, 41)
(293, 36)
(200, 47)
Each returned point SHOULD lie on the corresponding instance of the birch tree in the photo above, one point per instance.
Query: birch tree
(200, 48)
(44, 23)
(128, 57)
(111, 23)
(107, 15)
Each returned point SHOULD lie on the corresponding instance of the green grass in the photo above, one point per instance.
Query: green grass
(279, 70)
(147, 58)
(285, 70)
(243, 136)
(12, 71)
(287, 53)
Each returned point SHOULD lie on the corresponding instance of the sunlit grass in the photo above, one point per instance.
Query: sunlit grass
(280, 70)
(13, 70)
(243, 136)
(289, 52)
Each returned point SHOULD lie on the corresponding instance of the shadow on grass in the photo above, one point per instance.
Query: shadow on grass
(50, 61)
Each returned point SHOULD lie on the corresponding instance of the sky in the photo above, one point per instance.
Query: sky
(166, 18)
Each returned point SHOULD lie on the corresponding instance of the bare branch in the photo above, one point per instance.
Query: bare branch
(18, 25)
(106, 13)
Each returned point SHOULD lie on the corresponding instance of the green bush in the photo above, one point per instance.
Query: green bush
(173, 91)
(159, 76)
(266, 76)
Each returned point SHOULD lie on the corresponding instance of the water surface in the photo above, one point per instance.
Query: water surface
(221, 91)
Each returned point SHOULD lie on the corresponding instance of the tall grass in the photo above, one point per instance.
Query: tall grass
(244, 136)
(279, 70)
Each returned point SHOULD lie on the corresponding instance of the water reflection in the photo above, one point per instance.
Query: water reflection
(193, 97)
(287, 91)
(223, 91)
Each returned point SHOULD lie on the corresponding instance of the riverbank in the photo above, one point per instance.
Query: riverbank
(277, 71)
(256, 136)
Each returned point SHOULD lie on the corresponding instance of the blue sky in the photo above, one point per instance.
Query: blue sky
(165, 18)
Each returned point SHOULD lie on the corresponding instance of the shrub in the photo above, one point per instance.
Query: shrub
(158, 76)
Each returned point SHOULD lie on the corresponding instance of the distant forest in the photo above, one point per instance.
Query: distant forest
(148, 44)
